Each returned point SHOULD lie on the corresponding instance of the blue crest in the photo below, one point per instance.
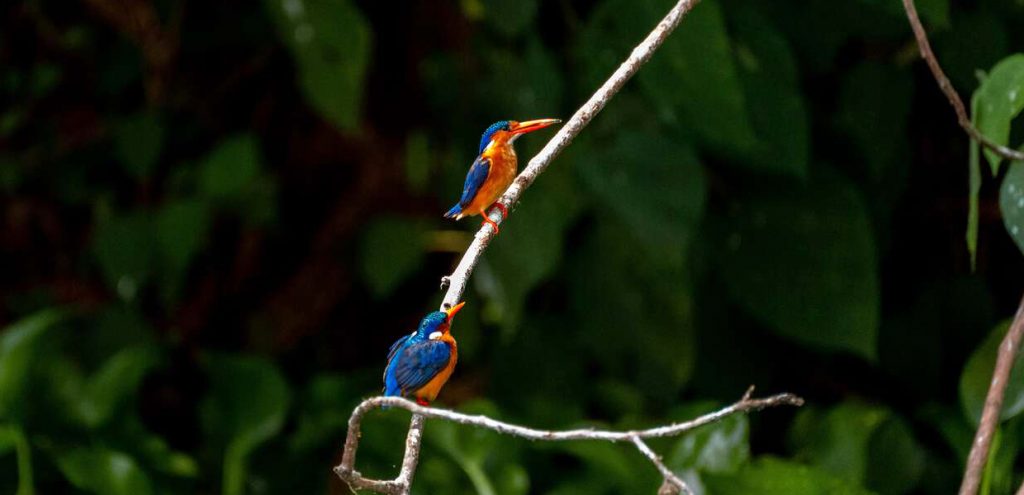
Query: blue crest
(432, 321)
(495, 127)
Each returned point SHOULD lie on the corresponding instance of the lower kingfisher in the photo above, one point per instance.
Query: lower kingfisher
(420, 363)
(494, 169)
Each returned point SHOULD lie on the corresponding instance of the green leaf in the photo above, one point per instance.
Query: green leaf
(18, 344)
(181, 231)
(391, 250)
(330, 43)
(768, 71)
(692, 78)
(103, 471)
(113, 384)
(137, 143)
(977, 375)
(974, 189)
(1000, 99)
(1011, 202)
(837, 441)
(246, 406)
(803, 262)
(13, 437)
(323, 412)
(227, 172)
(125, 249)
(770, 476)
(895, 460)
(722, 447)
(654, 185)
(531, 245)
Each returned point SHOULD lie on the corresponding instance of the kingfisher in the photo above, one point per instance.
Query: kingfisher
(494, 169)
(420, 363)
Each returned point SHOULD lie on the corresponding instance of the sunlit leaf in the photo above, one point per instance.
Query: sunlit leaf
(113, 384)
(977, 375)
(103, 471)
(391, 250)
(246, 406)
(18, 344)
(330, 43)
(803, 262)
(837, 441)
(1011, 201)
(1000, 99)
(718, 448)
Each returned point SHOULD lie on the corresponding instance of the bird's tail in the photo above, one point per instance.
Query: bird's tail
(391, 390)
(455, 212)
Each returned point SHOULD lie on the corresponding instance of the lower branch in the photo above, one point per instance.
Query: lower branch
(400, 485)
(976, 460)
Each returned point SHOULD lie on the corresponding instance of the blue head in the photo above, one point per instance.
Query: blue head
(438, 321)
(501, 125)
(514, 130)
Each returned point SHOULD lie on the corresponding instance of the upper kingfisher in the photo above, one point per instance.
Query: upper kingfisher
(420, 363)
(494, 169)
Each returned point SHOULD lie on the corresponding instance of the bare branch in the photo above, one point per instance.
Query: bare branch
(672, 482)
(978, 457)
(642, 53)
(947, 87)
(346, 470)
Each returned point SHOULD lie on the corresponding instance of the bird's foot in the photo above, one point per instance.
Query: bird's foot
(501, 208)
(487, 220)
(422, 402)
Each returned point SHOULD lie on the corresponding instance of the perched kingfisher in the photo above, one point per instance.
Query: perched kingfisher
(420, 363)
(494, 169)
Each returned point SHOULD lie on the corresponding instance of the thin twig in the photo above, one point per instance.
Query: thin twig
(675, 485)
(1008, 350)
(947, 87)
(642, 53)
(346, 470)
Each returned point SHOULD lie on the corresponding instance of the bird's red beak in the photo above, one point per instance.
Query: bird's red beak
(454, 309)
(533, 125)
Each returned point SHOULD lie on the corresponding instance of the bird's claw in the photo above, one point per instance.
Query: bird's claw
(501, 208)
(422, 402)
(490, 222)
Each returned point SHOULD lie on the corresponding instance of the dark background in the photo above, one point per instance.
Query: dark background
(216, 216)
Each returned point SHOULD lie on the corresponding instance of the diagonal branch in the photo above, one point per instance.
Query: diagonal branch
(947, 88)
(347, 472)
(672, 483)
(976, 460)
(456, 282)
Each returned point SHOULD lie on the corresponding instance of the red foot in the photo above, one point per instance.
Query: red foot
(491, 222)
(422, 402)
(501, 208)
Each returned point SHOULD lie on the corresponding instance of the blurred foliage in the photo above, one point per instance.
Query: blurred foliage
(215, 221)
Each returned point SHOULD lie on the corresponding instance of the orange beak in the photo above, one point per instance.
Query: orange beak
(454, 309)
(533, 125)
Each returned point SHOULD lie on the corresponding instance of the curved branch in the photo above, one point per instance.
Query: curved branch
(347, 472)
(947, 87)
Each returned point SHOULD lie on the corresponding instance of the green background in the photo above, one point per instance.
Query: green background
(216, 216)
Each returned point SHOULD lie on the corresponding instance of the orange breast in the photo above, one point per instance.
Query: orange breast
(499, 177)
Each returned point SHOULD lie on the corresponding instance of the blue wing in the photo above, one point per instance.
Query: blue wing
(474, 180)
(421, 362)
(397, 345)
(390, 384)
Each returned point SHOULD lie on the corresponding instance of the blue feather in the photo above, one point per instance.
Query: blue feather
(421, 362)
(474, 180)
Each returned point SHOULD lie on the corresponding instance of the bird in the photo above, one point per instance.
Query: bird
(494, 169)
(420, 363)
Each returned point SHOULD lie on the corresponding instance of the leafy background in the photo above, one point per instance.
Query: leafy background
(217, 216)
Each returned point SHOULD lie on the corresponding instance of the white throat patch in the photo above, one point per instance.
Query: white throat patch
(435, 335)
